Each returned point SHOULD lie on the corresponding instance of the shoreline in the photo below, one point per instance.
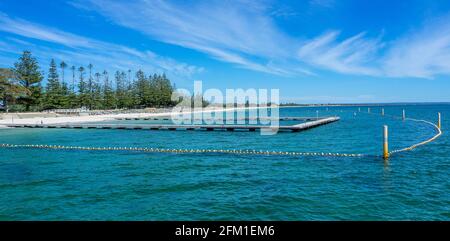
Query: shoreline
(106, 117)
(109, 117)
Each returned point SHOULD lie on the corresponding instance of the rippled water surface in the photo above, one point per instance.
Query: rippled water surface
(37, 184)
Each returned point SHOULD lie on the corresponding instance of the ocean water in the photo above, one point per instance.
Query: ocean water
(38, 184)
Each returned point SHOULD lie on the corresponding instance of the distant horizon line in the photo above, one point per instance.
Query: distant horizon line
(370, 103)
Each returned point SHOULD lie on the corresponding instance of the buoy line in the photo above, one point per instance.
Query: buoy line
(409, 148)
(439, 133)
(163, 150)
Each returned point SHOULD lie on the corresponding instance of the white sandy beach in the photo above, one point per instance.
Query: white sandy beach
(98, 118)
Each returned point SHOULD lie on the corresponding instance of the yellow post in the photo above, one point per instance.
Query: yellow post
(382, 111)
(439, 120)
(385, 142)
(403, 114)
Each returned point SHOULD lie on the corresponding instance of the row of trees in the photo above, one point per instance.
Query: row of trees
(21, 88)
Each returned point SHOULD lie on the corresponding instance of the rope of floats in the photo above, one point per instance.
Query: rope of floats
(164, 150)
(410, 148)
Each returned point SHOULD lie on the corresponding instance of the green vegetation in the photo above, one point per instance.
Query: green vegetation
(26, 73)
(21, 88)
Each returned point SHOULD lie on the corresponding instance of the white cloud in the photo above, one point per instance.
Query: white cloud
(241, 32)
(81, 50)
(422, 54)
(246, 34)
(354, 55)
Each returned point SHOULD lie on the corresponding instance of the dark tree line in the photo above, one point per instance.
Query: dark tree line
(21, 88)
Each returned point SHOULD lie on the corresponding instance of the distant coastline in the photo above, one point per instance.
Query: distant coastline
(363, 104)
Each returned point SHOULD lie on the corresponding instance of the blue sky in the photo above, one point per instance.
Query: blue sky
(314, 51)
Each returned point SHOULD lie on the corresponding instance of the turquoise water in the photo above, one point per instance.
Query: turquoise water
(37, 184)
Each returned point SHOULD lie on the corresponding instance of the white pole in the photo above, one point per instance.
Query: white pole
(439, 120)
(382, 111)
(404, 114)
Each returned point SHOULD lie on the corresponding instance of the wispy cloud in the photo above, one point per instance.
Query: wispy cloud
(354, 55)
(81, 50)
(322, 3)
(240, 32)
(244, 33)
(424, 53)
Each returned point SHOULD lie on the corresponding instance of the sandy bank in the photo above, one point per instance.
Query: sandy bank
(97, 118)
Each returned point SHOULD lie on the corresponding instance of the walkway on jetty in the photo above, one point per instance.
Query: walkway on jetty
(238, 119)
(293, 128)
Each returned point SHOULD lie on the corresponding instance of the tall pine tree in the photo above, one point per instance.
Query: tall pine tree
(141, 90)
(73, 78)
(121, 90)
(83, 91)
(27, 73)
(9, 88)
(109, 101)
(53, 90)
